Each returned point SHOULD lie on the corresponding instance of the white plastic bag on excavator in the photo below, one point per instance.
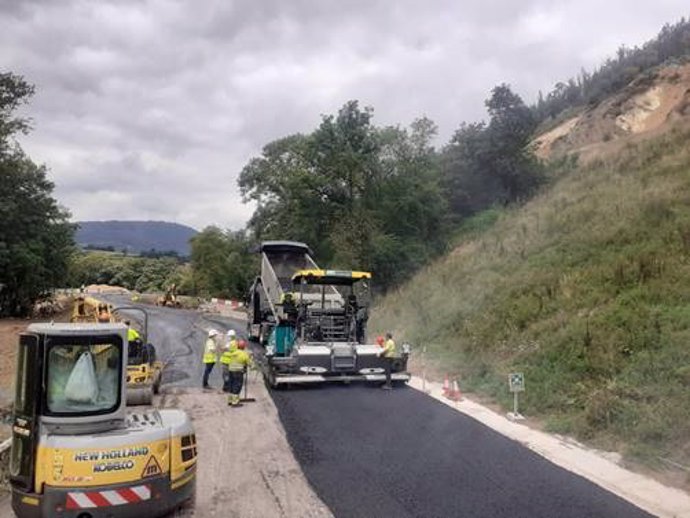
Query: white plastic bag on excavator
(82, 386)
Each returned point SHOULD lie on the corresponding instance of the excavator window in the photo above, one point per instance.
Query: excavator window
(83, 378)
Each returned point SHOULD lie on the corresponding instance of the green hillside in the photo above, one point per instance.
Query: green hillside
(586, 289)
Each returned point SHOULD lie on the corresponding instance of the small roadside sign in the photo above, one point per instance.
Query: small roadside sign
(516, 382)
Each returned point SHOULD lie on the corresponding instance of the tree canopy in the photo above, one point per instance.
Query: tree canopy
(362, 196)
(589, 88)
(36, 238)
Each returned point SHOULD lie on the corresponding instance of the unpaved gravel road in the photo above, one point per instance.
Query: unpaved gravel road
(245, 466)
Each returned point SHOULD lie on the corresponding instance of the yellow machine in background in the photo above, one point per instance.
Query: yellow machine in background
(169, 298)
(76, 453)
(88, 309)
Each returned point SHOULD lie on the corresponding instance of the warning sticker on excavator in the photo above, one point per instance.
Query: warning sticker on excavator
(152, 468)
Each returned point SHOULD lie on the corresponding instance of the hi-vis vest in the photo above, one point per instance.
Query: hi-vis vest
(238, 359)
(225, 357)
(210, 351)
(389, 349)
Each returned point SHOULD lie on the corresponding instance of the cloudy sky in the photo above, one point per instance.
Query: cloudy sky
(150, 109)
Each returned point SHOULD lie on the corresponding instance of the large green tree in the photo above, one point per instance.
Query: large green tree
(510, 129)
(361, 196)
(488, 164)
(222, 263)
(36, 238)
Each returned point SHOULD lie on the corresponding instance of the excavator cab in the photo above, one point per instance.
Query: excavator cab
(76, 453)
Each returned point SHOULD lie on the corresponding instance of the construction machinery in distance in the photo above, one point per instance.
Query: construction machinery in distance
(76, 452)
(169, 298)
(313, 322)
(88, 309)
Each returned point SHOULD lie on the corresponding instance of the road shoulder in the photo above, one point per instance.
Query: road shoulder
(642, 491)
(247, 467)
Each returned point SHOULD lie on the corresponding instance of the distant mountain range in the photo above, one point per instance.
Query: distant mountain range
(135, 236)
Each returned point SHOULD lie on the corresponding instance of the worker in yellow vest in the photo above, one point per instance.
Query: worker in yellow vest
(228, 348)
(132, 334)
(210, 355)
(239, 361)
(388, 354)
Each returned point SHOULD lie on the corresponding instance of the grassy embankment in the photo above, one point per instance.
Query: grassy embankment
(586, 289)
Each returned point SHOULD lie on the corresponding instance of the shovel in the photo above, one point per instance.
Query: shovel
(246, 399)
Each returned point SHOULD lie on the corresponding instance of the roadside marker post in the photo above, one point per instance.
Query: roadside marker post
(424, 389)
(516, 384)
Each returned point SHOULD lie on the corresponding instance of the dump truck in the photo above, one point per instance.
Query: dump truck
(76, 451)
(312, 322)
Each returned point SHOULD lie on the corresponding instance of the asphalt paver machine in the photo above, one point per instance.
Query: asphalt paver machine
(313, 322)
(76, 452)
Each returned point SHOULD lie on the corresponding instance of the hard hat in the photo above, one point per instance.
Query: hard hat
(231, 332)
(241, 344)
(379, 340)
(212, 332)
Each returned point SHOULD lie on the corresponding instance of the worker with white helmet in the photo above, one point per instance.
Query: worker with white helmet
(225, 357)
(210, 355)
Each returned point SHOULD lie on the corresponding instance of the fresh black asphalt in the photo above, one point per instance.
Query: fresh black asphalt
(374, 454)
(370, 453)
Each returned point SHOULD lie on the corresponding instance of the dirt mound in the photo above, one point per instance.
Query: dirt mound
(542, 145)
(647, 105)
(105, 288)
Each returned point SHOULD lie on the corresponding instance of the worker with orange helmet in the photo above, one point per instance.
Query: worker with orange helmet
(238, 362)
(388, 354)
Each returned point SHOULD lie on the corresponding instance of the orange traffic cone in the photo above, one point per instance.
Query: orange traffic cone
(446, 386)
(455, 394)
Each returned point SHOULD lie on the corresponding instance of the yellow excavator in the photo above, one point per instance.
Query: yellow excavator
(76, 452)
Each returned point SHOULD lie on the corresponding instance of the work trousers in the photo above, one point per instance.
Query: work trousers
(235, 381)
(208, 367)
(388, 365)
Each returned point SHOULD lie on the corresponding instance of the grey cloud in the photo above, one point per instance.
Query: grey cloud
(149, 109)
